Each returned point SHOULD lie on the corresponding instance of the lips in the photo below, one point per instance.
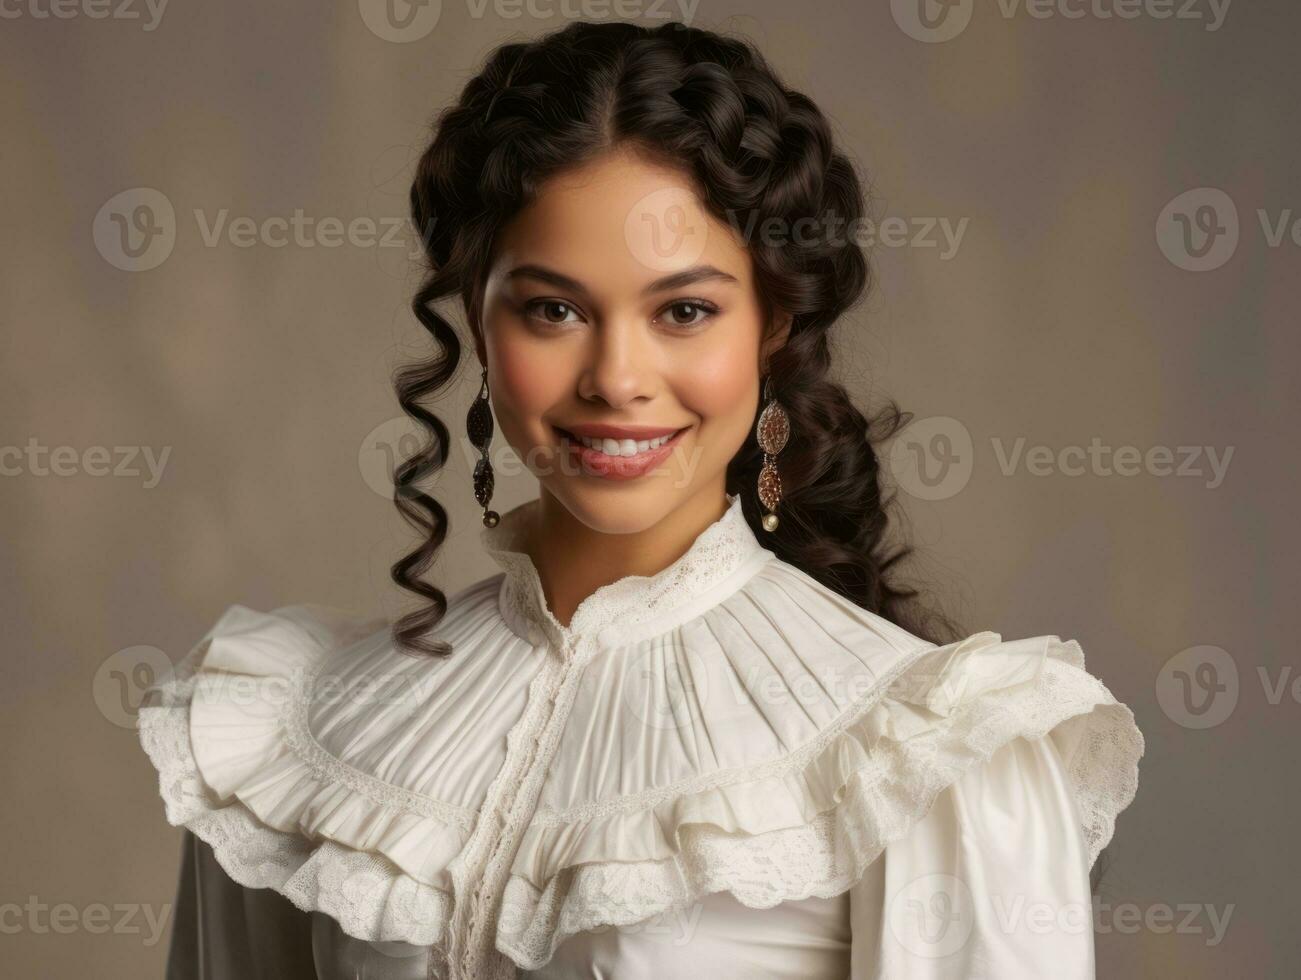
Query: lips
(594, 462)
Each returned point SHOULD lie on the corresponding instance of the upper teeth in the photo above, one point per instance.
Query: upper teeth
(623, 447)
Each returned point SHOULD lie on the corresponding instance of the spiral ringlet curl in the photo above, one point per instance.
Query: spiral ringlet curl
(710, 106)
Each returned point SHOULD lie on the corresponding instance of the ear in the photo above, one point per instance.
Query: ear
(480, 347)
(776, 338)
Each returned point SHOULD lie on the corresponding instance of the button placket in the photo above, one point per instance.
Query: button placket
(479, 878)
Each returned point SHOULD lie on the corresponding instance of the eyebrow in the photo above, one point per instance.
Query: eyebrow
(677, 280)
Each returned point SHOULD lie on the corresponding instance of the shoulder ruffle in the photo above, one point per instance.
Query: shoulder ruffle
(237, 767)
(809, 824)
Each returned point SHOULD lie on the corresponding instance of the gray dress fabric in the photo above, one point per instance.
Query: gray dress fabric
(224, 931)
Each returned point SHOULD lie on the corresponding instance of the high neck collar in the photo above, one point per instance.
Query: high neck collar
(720, 558)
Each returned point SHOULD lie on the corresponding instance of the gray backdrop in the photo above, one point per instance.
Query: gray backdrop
(1101, 355)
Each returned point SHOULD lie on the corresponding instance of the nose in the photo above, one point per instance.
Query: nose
(620, 364)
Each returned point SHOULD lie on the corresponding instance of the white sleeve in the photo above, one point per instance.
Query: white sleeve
(992, 883)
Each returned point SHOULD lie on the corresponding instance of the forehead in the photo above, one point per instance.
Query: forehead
(620, 221)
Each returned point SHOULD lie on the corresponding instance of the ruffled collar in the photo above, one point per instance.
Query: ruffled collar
(718, 560)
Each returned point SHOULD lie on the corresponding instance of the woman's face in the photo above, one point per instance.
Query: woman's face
(618, 310)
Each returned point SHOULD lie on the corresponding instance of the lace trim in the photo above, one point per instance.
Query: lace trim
(369, 896)
(881, 804)
(715, 554)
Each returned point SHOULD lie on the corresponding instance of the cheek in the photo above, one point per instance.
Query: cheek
(525, 384)
(721, 386)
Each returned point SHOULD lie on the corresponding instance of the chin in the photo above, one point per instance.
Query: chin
(619, 509)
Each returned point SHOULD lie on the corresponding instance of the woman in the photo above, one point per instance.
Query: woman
(692, 726)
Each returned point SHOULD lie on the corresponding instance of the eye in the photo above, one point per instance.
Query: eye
(550, 310)
(690, 312)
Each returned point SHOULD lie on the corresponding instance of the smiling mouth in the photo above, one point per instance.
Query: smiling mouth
(620, 448)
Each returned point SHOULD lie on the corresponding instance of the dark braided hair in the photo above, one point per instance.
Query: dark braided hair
(711, 107)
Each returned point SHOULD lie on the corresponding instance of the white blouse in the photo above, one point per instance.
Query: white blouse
(725, 768)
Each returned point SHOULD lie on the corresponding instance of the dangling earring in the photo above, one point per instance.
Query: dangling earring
(772, 432)
(478, 422)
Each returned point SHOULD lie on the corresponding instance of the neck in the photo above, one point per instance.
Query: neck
(573, 560)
